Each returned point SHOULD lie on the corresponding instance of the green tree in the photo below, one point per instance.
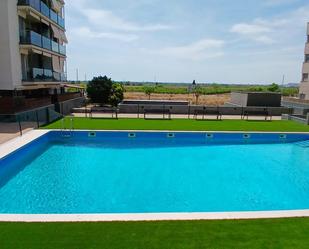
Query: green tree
(148, 90)
(273, 87)
(117, 94)
(102, 90)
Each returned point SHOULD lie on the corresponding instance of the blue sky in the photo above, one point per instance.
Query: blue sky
(252, 41)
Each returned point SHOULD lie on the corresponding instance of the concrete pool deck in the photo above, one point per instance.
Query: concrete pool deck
(15, 144)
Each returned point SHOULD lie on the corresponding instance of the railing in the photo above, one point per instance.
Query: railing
(44, 9)
(40, 74)
(22, 121)
(41, 41)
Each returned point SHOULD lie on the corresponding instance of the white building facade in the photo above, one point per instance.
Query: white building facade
(304, 86)
(32, 47)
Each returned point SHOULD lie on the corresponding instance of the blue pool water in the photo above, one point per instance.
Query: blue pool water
(191, 172)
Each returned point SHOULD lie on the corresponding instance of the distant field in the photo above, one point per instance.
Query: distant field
(211, 89)
(209, 100)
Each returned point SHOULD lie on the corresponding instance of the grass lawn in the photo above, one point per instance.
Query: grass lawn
(253, 234)
(181, 125)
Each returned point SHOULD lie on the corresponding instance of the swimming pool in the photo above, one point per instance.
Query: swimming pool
(156, 172)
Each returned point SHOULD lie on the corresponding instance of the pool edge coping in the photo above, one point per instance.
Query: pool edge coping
(153, 216)
(17, 143)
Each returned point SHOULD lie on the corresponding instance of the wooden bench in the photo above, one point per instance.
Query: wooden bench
(164, 112)
(104, 110)
(208, 112)
(257, 113)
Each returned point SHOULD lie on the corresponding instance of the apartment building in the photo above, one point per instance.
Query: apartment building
(32, 53)
(304, 86)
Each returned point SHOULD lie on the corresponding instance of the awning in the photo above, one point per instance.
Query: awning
(63, 36)
(61, 64)
(56, 5)
(31, 13)
(56, 64)
(56, 32)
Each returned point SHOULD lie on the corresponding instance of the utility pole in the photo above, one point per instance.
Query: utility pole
(283, 80)
(77, 75)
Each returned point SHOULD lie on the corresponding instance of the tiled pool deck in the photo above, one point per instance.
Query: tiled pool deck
(16, 143)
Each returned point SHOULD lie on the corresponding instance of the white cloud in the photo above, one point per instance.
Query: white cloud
(203, 49)
(107, 19)
(85, 32)
(248, 29)
(254, 31)
(278, 2)
(102, 23)
(273, 30)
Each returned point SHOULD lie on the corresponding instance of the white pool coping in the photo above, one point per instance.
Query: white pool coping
(16, 143)
(152, 216)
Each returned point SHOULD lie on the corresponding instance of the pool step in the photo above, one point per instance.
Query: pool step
(304, 144)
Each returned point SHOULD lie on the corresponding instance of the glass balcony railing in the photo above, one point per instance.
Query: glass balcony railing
(41, 41)
(35, 39)
(46, 75)
(37, 73)
(55, 47)
(44, 9)
(54, 16)
(46, 43)
(62, 49)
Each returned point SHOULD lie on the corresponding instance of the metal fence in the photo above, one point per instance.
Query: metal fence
(19, 122)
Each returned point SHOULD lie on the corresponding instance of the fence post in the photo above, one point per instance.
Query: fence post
(47, 116)
(19, 124)
(37, 118)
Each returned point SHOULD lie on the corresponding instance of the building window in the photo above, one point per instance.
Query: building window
(305, 76)
(307, 58)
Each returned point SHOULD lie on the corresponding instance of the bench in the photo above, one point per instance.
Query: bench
(208, 112)
(257, 113)
(104, 110)
(164, 112)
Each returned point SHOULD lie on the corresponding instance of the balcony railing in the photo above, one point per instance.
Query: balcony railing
(44, 75)
(41, 41)
(44, 9)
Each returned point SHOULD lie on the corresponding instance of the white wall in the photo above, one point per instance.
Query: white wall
(10, 63)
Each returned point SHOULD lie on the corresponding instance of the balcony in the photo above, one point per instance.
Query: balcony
(44, 10)
(44, 75)
(41, 41)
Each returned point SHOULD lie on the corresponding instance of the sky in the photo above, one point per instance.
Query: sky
(236, 42)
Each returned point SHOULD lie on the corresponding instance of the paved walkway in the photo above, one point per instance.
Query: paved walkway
(9, 131)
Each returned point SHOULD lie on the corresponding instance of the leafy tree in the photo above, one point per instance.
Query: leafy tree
(148, 90)
(273, 87)
(116, 94)
(102, 90)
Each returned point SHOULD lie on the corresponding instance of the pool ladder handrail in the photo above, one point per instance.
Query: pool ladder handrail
(67, 132)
